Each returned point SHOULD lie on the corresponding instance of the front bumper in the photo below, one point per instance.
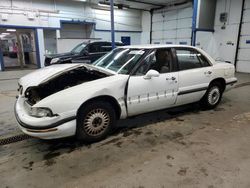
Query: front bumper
(43, 127)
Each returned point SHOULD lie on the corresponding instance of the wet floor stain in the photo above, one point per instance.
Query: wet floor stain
(149, 133)
(114, 140)
(219, 109)
(204, 171)
(173, 135)
(182, 171)
(51, 155)
(29, 166)
(49, 158)
(179, 119)
(169, 157)
(50, 162)
(135, 132)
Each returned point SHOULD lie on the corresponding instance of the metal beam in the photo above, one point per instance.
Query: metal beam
(1, 61)
(112, 23)
(146, 3)
(239, 34)
(195, 9)
(151, 25)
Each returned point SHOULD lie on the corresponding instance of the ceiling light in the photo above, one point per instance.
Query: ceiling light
(107, 4)
(81, 0)
(5, 33)
(11, 30)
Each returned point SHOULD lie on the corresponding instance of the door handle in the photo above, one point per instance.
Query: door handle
(172, 78)
(208, 72)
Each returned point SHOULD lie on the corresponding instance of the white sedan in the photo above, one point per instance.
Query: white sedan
(87, 100)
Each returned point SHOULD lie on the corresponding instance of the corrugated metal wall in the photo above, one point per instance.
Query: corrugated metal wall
(172, 26)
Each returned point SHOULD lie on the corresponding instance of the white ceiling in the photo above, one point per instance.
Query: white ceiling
(143, 4)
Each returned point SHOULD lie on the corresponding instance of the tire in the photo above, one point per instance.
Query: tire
(95, 121)
(213, 96)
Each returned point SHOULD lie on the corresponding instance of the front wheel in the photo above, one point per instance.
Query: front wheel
(213, 96)
(95, 121)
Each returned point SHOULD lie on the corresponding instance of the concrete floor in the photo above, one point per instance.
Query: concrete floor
(185, 147)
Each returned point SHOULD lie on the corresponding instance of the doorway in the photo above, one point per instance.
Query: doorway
(18, 47)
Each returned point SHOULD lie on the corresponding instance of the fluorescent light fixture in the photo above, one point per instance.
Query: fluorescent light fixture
(5, 33)
(107, 4)
(81, 0)
(11, 30)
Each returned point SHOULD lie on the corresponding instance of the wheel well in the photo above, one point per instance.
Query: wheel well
(105, 98)
(221, 81)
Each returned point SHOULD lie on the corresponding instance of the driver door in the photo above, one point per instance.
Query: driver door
(150, 94)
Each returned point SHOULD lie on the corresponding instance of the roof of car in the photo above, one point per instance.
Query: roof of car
(100, 41)
(152, 46)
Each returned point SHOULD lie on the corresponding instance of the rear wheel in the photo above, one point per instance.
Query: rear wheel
(95, 121)
(213, 96)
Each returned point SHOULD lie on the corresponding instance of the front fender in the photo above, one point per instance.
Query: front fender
(69, 100)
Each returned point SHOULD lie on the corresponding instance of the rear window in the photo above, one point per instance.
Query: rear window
(190, 59)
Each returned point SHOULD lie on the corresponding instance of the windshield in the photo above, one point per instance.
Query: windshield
(120, 60)
(78, 48)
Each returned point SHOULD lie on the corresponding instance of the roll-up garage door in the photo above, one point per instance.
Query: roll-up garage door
(243, 59)
(172, 26)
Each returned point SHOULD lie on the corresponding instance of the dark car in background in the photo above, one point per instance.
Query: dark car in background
(82, 53)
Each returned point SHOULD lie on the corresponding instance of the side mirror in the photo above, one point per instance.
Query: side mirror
(151, 73)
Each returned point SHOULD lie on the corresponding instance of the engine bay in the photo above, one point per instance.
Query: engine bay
(63, 81)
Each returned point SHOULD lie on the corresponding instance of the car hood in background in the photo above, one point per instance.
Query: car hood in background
(62, 55)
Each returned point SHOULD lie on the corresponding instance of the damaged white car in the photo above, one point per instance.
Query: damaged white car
(87, 100)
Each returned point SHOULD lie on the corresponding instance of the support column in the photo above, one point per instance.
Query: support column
(112, 23)
(194, 22)
(1, 61)
(40, 51)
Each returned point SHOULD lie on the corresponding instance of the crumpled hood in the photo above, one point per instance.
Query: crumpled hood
(41, 75)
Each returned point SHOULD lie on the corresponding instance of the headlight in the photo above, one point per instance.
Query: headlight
(40, 112)
(54, 60)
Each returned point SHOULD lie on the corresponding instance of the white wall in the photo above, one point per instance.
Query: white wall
(46, 13)
(145, 22)
(173, 25)
(222, 43)
(41, 49)
(50, 42)
(69, 30)
(66, 45)
(135, 37)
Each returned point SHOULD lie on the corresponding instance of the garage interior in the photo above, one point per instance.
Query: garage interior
(181, 147)
(18, 49)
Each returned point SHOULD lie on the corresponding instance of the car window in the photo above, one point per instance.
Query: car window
(106, 47)
(120, 60)
(78, 48)
(190, 59)
(203, 60)
(94, 48)
(119, 44)
(160, 60)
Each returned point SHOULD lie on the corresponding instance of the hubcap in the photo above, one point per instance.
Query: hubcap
(214, 95)
(96, 122)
